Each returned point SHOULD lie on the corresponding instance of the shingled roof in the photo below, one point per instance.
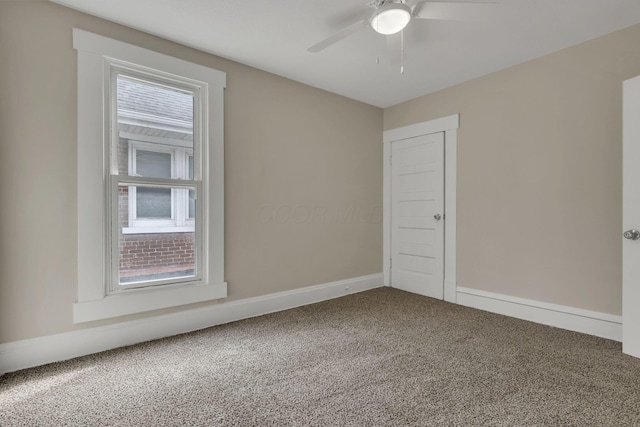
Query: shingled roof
(150, 99)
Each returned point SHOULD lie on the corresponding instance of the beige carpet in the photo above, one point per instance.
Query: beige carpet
(379, 358)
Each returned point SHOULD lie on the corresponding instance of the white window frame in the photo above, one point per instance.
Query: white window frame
(179, 221)
(97, 56)
(114, 68)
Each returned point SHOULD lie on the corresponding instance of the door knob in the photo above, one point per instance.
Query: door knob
(437, 217)
(632, 234)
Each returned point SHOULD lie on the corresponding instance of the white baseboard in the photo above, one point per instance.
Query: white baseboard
(53, 348)
(574, 319)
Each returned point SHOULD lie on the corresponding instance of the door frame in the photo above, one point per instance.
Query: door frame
(449, 125)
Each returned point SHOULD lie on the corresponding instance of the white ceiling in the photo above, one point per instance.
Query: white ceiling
(273, 35)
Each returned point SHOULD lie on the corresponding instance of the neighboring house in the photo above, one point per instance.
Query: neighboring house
(157, 225)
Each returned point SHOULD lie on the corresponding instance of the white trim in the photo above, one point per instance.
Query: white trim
(449, 126)
(560, 316)
(146, 299)
(91, 165)
(386, 213)
(100, 45)
(450, 209)
(431, 126)
(98, 57)
(38, 351)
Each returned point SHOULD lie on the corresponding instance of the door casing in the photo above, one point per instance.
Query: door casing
(449, 125)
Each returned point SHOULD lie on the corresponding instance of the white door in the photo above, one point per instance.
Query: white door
(631, 219)
(417, 217)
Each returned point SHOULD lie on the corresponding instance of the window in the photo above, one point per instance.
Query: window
(162, 210)
(154, 136)
(150, 180)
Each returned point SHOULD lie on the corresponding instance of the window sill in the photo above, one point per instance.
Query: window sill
(151, 299)
(157, 230)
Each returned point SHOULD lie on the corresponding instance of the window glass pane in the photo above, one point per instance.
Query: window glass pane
(152, 164)
(152, 202)
(158, 254)
(154, 114)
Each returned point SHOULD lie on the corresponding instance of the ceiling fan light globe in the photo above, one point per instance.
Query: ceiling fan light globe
(391, 18)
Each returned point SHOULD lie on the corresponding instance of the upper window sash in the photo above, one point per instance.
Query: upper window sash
(197, 89)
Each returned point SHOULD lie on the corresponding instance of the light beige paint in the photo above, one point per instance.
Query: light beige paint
(288, 147)
(539, 173)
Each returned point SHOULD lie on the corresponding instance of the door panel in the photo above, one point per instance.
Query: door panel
(417, 194)
(631, 219)
(415, 241)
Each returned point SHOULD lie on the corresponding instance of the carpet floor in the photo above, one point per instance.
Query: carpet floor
(377, 358)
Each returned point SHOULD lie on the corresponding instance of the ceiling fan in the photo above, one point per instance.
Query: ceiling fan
(389, 17)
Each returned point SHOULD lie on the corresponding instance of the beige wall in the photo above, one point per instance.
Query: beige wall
(287, 146)
(539, 173)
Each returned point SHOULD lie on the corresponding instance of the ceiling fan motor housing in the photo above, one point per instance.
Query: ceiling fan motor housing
(390, 18)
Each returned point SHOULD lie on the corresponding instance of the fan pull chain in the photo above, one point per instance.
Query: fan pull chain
(402, 52)
(377, 45)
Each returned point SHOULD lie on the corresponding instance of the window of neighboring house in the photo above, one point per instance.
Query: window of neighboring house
(161, 210)
(157, 209)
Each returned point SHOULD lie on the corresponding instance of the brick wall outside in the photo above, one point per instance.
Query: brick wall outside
(155, 254)
(150, 255)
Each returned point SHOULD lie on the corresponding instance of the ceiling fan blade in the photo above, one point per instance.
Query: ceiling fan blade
(416, 35)
(342, 34)
(347, 16)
